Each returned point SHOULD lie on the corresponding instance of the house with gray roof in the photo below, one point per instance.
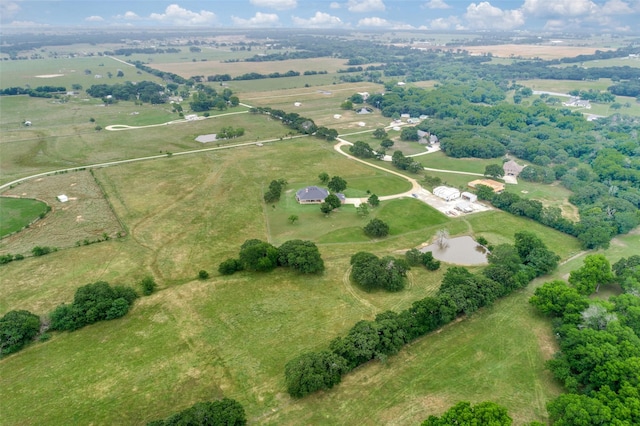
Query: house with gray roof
(511, 168)
(311, 195)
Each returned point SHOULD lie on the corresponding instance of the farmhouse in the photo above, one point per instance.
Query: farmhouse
(446, 193)
(311, 195)
(496, 186)
(511, 168)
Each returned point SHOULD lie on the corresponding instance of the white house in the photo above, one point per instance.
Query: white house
(446, 193)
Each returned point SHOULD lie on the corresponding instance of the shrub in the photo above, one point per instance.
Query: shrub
(203, 275)
(229, 267)
(148, 285)
(376, 229)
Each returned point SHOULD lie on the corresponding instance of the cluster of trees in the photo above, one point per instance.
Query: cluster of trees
(373, 273)
(259, 256)
(326, 133)
(330, 203)
(258, 76)
(7, 258)
(594, 95)
(275, 190)
(92, 303)
(38, 92)
(462, 292)
(463, 413)
(224, 412)
(292, 120)
(405, 163)
(229, 133)
(206, 98)
(415, 257)
(599, 340)
(144, 91)
(362, 150)
(165, 76)
(626, 88)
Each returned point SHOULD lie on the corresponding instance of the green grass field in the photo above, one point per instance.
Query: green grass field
(16, 213)
(195, 340)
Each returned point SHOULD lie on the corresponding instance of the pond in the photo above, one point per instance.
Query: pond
(460, 251)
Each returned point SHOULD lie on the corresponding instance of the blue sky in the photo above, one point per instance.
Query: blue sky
(442, 15)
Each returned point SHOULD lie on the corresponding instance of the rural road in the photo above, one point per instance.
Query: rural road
(151, 157)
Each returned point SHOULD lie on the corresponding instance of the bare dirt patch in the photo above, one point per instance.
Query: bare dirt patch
(85, 217)
(532, 51)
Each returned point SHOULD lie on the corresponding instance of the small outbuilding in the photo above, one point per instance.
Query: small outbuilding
(447, 193)
(297, 104)
(62, 198)
(468, 196)
(311, 195)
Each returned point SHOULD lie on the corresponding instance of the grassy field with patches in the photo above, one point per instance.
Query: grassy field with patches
(198, 340)
(17, 213)
(223, 336)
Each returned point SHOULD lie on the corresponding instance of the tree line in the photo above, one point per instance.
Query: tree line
(38, 92)
(599, 357)
(461, 293)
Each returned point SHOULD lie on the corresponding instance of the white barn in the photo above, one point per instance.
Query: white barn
(446, 193)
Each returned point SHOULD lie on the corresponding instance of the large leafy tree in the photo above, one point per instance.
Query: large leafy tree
(337, 184)
(302, 256)
(260, 256)
(17, 328)
(376, 228)
(595, 271)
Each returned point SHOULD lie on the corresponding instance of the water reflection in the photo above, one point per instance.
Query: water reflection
(459, 250)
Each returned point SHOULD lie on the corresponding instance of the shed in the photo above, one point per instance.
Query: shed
(337, 116)
(472, 198)
(311, 195)
(62, 198)
(446, 193)
(297, 104)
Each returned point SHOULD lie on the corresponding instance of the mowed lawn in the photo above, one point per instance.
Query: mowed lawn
(231, 336)
(16, 213)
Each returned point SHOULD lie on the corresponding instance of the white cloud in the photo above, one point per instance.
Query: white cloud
(8, 9)
(436, 4)
(320, 19)
(374, 22)
(452, 22)
(259, 20)
(485, 16)
(616, 7)
(334, 5)
(276, 4)
(176, 15)
(365, 5)
(130, 15)
(26, 24)
(558, 9)
(94, 18)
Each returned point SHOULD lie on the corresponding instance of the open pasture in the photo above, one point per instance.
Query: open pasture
(547, 51)
(85, 218)
(601, 63)
(565, 86)
(194, 340)
(85, 71)
(438, 160)
(16, 213)
(188, 69)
